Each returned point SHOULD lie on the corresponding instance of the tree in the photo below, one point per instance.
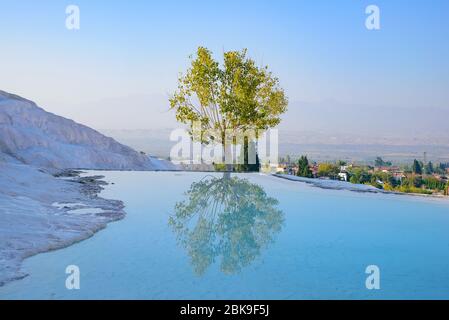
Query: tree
(360, 176)
(341, 163)
(428, 168)
(417, 168)
(235, 96)
(245, 165)
(328, 170)
(442, 167)
(303, 167)
(433, 183)
(413, 181)
(379, 162)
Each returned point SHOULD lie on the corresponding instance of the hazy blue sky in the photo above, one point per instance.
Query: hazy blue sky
(117, 70)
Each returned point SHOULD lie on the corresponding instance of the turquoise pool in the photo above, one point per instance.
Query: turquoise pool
(250, 236)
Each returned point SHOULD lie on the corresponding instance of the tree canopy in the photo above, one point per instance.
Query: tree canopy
(328, 170)
(303, 168)
(236, 95)
(379, 162)
(417, 167)
(428, 168)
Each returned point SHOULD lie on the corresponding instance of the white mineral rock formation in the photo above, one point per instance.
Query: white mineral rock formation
(39, 212)
(36, 137)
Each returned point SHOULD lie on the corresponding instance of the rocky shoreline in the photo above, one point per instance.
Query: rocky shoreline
(46, 212)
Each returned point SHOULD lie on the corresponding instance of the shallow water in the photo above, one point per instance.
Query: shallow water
(205, 236)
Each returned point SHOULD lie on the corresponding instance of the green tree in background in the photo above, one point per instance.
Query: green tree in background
(303, 168)
(433, 183)
(236, 95)
(379, 162)
(360, 176)
(246, 164)
(441, 168)
(428, 168)
(328, 170)
(341, 163)
(416, 168)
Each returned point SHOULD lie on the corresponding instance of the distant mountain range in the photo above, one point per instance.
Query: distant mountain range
(324, 129)
(318, 145)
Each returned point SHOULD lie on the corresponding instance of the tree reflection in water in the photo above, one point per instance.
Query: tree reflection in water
(227, 219)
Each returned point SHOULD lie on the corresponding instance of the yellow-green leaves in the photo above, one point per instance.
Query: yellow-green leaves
(236, 95)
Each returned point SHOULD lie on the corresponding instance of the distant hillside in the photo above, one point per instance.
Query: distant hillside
(36, 137)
